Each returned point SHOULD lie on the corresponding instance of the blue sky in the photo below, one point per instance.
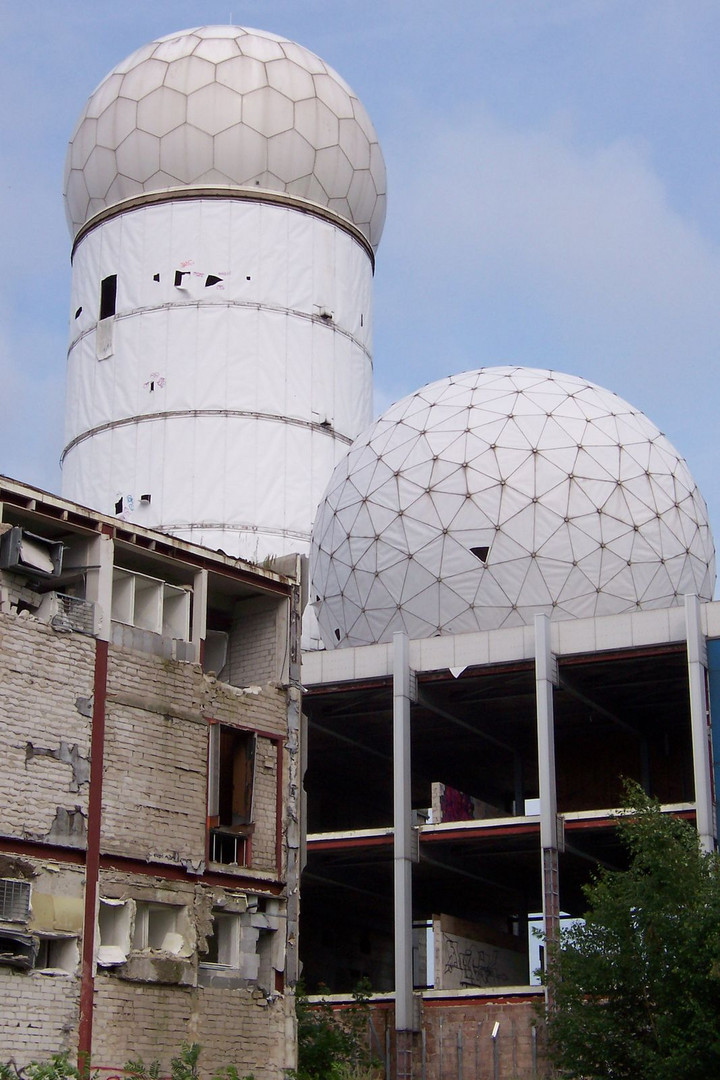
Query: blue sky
(553, 172)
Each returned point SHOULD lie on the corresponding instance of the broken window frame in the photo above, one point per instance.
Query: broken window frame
(232, 755)
(144, 936)
(227, 941)
(113, 945)
(57, 947)
(17, 949)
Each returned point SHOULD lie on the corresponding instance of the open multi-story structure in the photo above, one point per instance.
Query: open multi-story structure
(512, 571)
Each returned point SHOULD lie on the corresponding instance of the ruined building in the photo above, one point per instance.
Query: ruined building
(149, 840)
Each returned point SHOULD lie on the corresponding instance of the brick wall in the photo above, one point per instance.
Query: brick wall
(38, 1016)
(46, 680)
(457, 1038)
(235, 1027)
(252, 652)
(155, 784)
(264, 806)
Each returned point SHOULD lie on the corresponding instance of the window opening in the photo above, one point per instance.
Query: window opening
(156, 928)
(230, 794)
(212, 279)
(57, 954)
(114, 931)
(119, 506)
(156, 277)
(179, 275)
(108, 296)
(480, 553)
(223, 946)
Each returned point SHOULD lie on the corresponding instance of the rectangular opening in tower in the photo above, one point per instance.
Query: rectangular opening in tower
(108, 296)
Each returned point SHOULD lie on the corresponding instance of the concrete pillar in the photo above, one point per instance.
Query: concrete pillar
(700, 725)
(403, 834)
(546, 677)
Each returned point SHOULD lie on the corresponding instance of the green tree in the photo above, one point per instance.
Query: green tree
(636, 986)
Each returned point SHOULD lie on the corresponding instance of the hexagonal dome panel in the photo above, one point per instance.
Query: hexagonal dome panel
(196, 86)
(490, 496)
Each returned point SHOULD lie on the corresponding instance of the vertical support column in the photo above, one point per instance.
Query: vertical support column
(403, 694)
(198, 631)
(700, 725)
(99, 583)
(294, 793)
(102, 597)
(546, 677)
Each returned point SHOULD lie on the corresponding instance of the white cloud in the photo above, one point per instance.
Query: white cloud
(527, 246)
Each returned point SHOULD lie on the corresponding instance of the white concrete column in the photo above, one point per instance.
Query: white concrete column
(99, 582)
(403, 833)
(700, 725)
(546, 677)
(199, 611)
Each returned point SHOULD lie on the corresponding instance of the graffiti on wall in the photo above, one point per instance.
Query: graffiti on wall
(465, 962)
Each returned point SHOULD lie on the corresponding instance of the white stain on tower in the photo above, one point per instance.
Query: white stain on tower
(225, 191)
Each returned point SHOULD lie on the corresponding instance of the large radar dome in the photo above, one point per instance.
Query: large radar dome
(490, 496)
(221, 105)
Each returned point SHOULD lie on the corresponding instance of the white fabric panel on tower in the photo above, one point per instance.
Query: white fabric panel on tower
(184, 343)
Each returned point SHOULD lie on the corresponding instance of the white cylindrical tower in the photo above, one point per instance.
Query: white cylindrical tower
(226, 193)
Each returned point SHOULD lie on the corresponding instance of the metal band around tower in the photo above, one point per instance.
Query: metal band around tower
(257, 195)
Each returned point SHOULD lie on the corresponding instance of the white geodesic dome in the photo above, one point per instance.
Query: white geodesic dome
(485, 498)
(221, 105)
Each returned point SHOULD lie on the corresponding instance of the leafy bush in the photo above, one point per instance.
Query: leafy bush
(59, 1067)
(333, 1045)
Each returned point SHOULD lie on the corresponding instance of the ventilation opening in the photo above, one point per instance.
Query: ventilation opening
(14, 900)
(179, 275)
(108, 296)
(78, 313)
(211, 279)
(119, 506)
(480, 553)
(156, 277)
(337, 634)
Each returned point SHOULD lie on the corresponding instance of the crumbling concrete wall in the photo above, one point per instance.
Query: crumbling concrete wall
(156, 753)
(39, 1008)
